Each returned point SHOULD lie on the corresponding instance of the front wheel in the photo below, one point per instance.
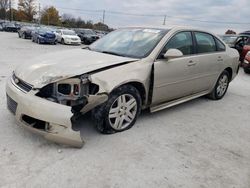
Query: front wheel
(120, 112)
(221, 86)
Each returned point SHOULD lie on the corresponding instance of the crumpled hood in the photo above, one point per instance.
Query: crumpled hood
(65, 64)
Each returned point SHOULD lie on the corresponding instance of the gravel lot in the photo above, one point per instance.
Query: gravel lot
(201, 143)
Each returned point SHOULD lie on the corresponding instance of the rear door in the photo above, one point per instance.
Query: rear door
(210, 57)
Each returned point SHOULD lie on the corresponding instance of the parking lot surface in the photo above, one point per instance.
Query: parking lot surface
(201, 143)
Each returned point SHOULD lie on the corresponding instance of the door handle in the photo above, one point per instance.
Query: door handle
(220, 58)
(191, 63)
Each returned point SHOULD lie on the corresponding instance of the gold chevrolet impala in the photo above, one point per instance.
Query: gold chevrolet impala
(116, 77)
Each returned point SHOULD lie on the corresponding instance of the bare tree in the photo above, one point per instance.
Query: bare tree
(28, 8)
(4, 5)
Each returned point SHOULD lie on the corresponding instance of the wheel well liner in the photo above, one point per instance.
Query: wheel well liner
(230, 71)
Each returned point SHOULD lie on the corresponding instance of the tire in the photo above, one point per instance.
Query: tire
(221, 86)
(32, 39)
(115, 116)
(38, 41)
(19, 35)
(247, 71)
(62, 41)
(23, 36)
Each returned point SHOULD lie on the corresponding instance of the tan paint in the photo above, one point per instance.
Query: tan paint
(168, 83)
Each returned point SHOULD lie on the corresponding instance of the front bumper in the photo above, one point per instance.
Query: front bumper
(47, 40)
(56, 117)
(73, 42)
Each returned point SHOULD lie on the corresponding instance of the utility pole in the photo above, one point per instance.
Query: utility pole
(164, 22)
(10, 7)
(39, 21)
(48, 18)
(103, 17)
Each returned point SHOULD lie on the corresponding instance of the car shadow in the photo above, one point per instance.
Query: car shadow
(86, 126)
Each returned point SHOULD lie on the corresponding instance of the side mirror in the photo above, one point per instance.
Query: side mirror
(173, 53)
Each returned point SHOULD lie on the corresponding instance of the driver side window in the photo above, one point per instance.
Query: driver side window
(181, 41)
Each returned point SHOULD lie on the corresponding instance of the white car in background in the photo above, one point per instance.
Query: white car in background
(66, 36)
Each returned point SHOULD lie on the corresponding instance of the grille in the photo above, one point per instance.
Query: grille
(21, 84)
(50, 36)
(12, 105)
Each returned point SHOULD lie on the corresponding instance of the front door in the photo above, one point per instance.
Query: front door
(173, 78)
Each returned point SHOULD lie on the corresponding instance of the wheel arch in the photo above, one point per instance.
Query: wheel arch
(139, 86)
(230, 71)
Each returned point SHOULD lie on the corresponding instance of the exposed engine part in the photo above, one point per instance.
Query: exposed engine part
(70, 92)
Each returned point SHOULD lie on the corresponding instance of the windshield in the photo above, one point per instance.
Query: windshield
(229, 39)
(68, 32)
(11, 25)
(135, 43)
(88, 32)
(43, 31)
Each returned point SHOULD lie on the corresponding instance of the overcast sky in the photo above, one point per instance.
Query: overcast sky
(180, 11)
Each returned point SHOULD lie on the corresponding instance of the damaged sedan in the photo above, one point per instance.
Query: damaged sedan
(116, 77)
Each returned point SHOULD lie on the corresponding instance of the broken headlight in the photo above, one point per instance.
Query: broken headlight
(70, 92)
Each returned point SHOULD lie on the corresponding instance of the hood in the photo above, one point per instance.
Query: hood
(71, 36)
(91, 35)
(65, 64)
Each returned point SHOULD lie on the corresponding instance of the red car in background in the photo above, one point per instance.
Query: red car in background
(246, 48)
(246, 63)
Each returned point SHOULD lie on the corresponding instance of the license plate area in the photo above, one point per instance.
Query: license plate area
(12, 105)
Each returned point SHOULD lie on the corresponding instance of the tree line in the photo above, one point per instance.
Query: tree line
(27, 11)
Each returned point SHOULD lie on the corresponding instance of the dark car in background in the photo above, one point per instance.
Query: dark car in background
(87, 36)
(246, 63)
(26, 32)
(229, 39)
(10, 27)
(1, 27)
(43, 36)
(245, 33)
(238, 42)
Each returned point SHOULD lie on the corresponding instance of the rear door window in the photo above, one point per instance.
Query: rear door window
(205, 43)
(220, 46)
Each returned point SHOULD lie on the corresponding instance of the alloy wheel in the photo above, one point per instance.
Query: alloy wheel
(123, 112)
(222, 85)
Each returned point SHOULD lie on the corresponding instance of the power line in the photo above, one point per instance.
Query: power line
(103, 12)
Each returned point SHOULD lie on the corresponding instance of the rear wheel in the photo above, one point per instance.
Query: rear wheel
(221, 86)
(120, 112)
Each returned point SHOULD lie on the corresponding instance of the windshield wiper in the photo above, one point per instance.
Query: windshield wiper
(112, 53)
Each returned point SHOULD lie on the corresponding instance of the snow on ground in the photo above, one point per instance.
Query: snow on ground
(201, 143)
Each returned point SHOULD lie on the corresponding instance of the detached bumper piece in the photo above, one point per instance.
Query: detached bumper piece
(43, 117)
(55, 133)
